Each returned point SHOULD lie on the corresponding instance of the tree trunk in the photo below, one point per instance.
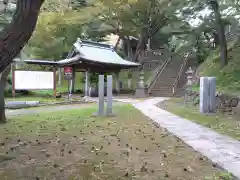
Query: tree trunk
(221, 34)
(15, 35)
(117, 43)
(129, 49)
(140, 48)
(2, 104)
(13, 38)
(3, 80)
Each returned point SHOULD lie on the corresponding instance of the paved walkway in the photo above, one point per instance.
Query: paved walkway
(221, 149)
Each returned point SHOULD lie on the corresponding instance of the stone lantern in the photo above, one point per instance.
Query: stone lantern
(188, 90)
(189, 74)
(141, 83)
(141, 90)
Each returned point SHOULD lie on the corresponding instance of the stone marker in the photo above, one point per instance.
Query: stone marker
(212, 94)
(204, 95)
(101, 95)
(109, 95)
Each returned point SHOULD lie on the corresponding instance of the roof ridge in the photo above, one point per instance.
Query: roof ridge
(96, 44)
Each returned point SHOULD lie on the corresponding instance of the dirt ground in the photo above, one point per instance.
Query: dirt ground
(72, 145)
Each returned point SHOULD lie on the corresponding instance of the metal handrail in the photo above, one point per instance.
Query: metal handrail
(176, 82)
(158, 74)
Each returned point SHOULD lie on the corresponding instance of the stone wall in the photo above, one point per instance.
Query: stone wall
(224, 103)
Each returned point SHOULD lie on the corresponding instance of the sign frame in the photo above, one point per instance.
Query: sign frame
(68, 73)
(54, 88)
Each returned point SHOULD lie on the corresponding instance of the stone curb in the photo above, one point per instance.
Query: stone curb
(25, 106)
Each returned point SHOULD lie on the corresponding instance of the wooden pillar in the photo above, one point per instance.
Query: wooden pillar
(13, 80)
(54, 82)
(87, 83)
(100, 95)
(117, 82)
(73, 80)
(60, 77)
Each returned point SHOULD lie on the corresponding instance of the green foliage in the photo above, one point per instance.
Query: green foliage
(77, 4)
(222, 176)
(228, 78)
(57, 31)
(6, 12)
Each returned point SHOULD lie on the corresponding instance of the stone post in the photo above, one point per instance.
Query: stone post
(101, 95)
(212, 94)
(109, 95)
(204, 95)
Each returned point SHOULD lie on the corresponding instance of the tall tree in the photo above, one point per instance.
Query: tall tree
(140, 18)
(14, 36)
(220, 32)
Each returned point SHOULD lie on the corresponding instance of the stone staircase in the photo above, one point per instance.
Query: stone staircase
(171, 75)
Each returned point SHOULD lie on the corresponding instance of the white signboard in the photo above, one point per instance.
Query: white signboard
(33, 80)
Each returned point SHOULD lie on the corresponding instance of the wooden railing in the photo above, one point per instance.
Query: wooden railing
(181, 71)
(157, 74)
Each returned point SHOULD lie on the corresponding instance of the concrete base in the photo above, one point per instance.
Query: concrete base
(110, 115)
(96, 114)
(140, 93)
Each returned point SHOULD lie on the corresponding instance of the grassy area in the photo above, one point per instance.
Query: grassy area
(228, 78)
(34, 98)
(223, 123)
(72, 144)
(41, 96)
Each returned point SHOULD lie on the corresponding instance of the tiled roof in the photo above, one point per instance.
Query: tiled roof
(100, 52)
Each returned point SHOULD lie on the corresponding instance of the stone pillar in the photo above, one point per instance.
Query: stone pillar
(86, 88)
(101, 95)
(204, 95)
(212, 94)
(117, 82)
(109, 95)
